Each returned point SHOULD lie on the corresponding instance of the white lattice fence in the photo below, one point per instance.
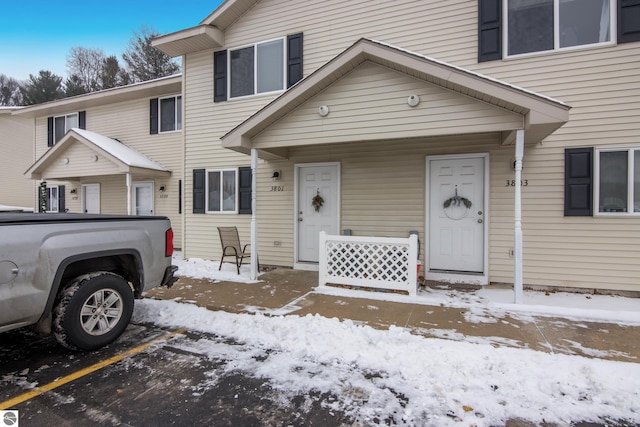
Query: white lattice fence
(374, 262)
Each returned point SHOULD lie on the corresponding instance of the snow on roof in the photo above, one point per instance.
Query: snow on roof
(125, 154)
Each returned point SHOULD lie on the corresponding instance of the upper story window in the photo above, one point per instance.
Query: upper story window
(264, 67)
(520, 27)
(58, 126)
(545, 25)
(165, 114)
(170, 114)
(61, 124)
(618, 181)
(259, 68)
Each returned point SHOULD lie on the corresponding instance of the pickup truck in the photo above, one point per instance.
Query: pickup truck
(77, 275)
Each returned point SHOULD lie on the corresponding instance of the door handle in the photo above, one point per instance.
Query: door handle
(480, 221)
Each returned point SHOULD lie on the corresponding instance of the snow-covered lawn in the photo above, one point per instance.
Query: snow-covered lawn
(406, 379)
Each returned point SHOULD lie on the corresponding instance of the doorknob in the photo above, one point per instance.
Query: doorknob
(299, 219)
(480, 221)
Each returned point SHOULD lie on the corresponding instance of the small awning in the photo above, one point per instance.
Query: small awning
(82, 153)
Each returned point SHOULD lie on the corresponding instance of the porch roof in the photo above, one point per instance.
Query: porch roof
(121, 159)
(541, 115)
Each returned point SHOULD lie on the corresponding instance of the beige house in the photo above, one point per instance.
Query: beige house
(16, 144)
(516, 159)
(117, 151)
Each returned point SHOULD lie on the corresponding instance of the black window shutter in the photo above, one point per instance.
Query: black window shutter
(49, 131)
(628, 21)
(244, 190)
(578, 182)
(153, 116)
(198, 190)
(179, 196)
(220, 76)
(489, 30)
(82, 119)
(61, 201)
(294, 59)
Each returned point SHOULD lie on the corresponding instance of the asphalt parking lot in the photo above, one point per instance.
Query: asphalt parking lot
(145, 378)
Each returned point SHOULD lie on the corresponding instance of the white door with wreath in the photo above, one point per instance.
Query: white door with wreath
(456, 214)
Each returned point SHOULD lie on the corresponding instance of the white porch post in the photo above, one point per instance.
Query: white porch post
(128, 193)
(254, 236)
(517, 283)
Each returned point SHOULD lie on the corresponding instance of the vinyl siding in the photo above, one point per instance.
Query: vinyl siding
(127, 122)
(600, 84)
(16, 144)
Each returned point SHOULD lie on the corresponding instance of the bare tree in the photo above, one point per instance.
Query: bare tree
(144, 61)
(9, 91)
(86, 63)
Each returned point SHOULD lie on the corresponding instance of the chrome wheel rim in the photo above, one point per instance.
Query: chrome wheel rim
(101, 312)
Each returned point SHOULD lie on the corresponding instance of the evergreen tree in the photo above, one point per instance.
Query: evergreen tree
(74, 86)
(46, 86)
(144, 61)
(110, 72)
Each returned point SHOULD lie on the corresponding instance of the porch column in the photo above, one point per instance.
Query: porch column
(128, 176)
(254, 236)
(517, 282)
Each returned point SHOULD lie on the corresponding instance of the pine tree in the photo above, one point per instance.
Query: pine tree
(9, 91)
(110, 72)
(46, 86)
(74, 86)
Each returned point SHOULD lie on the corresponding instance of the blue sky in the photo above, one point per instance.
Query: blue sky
(38, 34)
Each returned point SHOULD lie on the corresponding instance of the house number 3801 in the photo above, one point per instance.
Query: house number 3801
(277, 188)
(512, 183)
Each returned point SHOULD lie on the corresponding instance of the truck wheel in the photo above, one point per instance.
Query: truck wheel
(92, 311)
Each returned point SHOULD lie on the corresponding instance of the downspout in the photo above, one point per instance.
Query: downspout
(128, 193)
(254, 237)
(518, 281)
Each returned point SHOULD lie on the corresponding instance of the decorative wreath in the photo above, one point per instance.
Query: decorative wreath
(317, 201)
(457, 201)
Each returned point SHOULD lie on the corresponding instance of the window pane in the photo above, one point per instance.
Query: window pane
(241, 64)
(229, 191)
(270, 66)
(179, 113)
(72, 121)
(214, 192)
(584, 22)
(613, 181)
(167, 114)
(530, 26)
(636, 181)
(52, 199)
(59, 128)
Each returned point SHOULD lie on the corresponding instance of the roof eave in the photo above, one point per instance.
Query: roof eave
(194, 39)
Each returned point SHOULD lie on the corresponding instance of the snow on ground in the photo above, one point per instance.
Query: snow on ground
(406, 379)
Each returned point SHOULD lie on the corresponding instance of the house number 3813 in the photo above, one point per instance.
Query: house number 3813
(512, 183)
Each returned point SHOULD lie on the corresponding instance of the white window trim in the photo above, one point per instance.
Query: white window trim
(255, 68)
(66, 125)
(175, 114)
(237, 192)
(630, 179)
(613, 16)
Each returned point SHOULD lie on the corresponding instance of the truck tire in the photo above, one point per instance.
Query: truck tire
(92, 311)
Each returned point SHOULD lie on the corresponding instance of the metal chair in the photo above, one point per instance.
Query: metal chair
(231, 246)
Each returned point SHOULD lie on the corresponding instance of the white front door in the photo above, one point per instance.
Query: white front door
(456, 214)
(142, 198)
(319, 181)
(91, 198)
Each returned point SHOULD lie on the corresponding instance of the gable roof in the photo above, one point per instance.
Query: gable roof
(542, 115)
(125, 159)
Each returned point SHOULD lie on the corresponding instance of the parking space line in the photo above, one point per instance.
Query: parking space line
(11, 403)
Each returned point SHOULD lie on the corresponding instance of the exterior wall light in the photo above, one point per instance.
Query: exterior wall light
(323, 110)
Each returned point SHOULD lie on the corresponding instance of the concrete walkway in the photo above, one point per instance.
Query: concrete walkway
(293, 292)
